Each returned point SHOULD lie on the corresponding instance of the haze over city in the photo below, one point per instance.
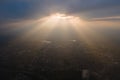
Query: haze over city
(59, 39)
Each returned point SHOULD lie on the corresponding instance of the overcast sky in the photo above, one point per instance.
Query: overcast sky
(26, 9)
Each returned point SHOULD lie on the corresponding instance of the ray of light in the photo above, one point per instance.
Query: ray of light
(44, 27)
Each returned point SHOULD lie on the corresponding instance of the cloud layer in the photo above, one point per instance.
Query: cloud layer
(25, 10)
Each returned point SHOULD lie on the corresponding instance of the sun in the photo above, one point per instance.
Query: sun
(60, 16)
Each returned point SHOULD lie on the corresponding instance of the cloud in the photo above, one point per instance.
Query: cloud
(95, 8)
(29, 9)
(113, 18)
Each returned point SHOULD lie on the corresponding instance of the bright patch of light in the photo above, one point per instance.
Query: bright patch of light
(60, 16)
(64, 19)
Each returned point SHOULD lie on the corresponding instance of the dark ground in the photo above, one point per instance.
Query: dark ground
(52, 59)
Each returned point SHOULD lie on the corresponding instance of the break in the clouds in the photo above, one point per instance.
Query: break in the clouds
(30, 9)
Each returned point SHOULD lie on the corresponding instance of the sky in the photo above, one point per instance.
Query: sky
(14, 11)
(23, 9)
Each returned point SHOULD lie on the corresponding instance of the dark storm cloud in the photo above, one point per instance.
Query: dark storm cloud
(27, 9)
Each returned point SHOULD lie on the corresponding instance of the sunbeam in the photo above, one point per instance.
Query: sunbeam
(43, 27)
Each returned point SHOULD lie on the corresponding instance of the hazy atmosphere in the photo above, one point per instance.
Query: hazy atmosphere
(60, 39)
